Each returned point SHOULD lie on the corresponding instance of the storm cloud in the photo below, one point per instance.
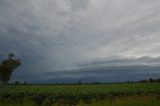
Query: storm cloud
(69, 36)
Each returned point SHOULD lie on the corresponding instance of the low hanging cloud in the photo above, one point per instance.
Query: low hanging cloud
(63, 35)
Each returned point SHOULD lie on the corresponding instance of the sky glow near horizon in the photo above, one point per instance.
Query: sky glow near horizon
(70, 35)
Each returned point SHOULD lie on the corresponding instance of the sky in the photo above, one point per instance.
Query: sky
(87, 40)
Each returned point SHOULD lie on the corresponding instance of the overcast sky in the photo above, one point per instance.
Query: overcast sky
(67, 37)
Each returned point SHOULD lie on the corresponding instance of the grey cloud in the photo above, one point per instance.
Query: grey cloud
(122, 61)
(64, 34)
(98, 74)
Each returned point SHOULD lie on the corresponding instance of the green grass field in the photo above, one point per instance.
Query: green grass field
(134, 94)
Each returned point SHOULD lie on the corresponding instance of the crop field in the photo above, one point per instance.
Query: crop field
(133, 94)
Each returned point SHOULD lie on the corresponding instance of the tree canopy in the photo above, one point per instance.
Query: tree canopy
(7, 67)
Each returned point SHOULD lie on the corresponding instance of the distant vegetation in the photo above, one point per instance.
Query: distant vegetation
(150, 80)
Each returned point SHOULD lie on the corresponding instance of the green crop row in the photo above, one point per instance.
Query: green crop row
(72, 94)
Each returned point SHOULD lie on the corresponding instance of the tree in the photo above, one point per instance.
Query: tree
(7, 67)
(151, 80)
(79, 82)
(25, 83)
(16, 83)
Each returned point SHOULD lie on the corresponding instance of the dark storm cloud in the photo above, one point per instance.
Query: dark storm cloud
(98, 74)
(67, 35)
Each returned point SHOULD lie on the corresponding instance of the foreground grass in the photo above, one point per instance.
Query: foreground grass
(127, 101)
(123, 101)
(137, 94)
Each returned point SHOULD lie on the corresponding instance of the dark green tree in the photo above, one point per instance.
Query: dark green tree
(7, 67)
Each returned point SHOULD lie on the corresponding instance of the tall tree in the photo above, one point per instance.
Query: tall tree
(7, 67)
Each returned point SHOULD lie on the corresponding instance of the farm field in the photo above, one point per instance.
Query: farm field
(132, 94)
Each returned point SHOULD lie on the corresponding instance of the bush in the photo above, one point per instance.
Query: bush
(16, 83)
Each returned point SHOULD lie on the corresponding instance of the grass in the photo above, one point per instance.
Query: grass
(135, 94)
(123, 101)
(80, 89)
(127, 101)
